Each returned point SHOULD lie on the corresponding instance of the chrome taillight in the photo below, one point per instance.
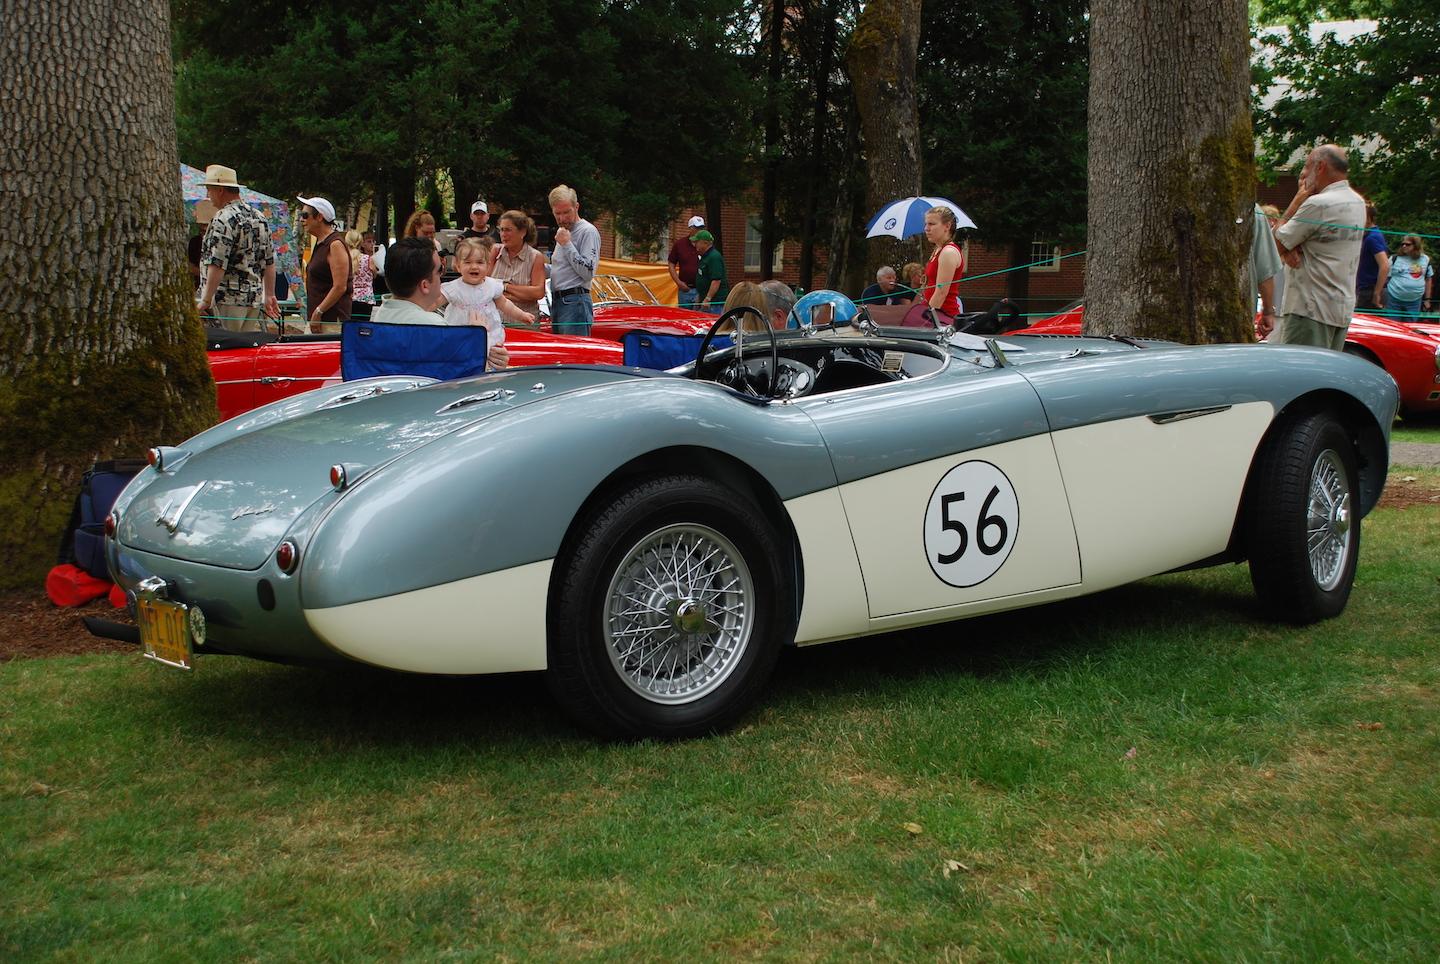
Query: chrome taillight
(156, 459)
(337, 477)
(287, 556)
(110, 526)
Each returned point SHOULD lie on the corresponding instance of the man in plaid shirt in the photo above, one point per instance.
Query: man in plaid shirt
(237, 259)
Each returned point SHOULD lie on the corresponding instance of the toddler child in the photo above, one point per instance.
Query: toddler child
(475, 298)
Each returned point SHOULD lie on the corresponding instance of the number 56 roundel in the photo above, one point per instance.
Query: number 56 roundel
(971, 524)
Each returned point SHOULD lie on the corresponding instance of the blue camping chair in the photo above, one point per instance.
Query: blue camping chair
(645, 349)
(368, 349)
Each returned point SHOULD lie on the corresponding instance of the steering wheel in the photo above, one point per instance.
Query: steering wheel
(737, 365)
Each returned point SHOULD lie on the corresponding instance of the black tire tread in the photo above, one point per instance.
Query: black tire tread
(1276, 522)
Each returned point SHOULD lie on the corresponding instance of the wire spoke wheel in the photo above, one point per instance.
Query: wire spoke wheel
(1301, 527)
(669, 609)
(1328, 529)
(677, 616)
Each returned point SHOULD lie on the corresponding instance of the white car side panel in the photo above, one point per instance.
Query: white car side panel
(887, 516)
(834, 603)
(493, 623)
(1148, 498)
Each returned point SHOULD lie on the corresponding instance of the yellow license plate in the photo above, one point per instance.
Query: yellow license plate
(164, 632)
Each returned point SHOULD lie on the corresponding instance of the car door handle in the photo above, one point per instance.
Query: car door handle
(282, 380)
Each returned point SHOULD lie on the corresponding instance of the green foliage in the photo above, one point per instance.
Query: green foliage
(619, 100)
(1003, 94)
(1381, 90)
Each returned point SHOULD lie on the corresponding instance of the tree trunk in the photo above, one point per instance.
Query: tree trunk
(846, 271)
(820, 164)
(402, 190)
(101, 352)
(1017, 282)
(775, 43)
(713, 219)
(881, 63)
(1172, 170)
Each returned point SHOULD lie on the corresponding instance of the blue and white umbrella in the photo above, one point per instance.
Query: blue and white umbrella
(906, 217)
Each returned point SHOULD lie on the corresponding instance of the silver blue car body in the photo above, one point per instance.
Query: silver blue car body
(900, 481)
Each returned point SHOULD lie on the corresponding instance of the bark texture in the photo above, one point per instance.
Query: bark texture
(881, 61)
(101, 352)
(1171, 170)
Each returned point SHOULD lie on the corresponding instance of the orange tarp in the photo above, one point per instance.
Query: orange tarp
(654, 276)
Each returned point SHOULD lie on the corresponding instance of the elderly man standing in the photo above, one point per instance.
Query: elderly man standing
(572, 265)
(1319, 238)
(237, 261)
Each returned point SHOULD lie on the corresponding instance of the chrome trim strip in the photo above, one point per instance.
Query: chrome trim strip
(1167, 418)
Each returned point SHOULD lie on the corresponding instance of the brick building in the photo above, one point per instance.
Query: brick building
(1057, 274)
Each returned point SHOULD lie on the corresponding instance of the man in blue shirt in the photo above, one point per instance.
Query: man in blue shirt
(572, 265)
(1374, 268)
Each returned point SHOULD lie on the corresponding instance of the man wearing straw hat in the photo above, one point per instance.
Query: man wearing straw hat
(236, 258)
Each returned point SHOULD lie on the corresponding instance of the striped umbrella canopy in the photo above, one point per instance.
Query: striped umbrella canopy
(906, 217)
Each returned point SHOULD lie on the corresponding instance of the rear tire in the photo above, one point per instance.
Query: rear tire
(1302, 531)
(668, 613)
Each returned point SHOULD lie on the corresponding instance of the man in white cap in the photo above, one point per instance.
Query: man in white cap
(237, 260)
(480, 223)
(684, 261)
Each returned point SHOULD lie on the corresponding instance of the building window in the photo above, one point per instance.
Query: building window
(628, 249)
(1044, 256)
(752, 247)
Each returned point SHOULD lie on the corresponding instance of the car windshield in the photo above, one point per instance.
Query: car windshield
(615, 289)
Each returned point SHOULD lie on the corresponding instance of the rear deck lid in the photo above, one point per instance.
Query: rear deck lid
(230, 505)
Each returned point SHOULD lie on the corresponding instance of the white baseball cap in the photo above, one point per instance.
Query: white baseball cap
(326, 209)
(479, 206)
(696, 222)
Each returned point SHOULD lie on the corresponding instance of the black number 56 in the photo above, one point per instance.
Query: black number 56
(984, 524)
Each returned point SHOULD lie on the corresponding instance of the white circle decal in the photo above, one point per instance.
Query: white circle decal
(971, 524)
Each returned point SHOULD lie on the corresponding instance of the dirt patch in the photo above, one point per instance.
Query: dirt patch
(1403, 491)
(31, 625)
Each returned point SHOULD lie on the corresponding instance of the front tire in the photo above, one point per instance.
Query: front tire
(668, 612)
(1303, 531)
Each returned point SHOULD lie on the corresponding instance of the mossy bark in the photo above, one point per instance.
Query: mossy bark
(1171, 171)
(881, 61)
(101, 352)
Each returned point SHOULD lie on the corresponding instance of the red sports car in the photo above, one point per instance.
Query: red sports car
(255, 368)
(1409, 354)
(623, 305)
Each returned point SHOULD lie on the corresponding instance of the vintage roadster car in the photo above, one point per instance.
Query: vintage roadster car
(679, 528)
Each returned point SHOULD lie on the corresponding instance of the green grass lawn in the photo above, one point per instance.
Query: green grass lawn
(1153, 773)
(1421, 429)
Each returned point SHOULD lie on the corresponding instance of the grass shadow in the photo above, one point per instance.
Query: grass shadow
(1019, 642)
(244, 700)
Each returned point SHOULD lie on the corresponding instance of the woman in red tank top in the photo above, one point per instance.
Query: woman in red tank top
(946, 264)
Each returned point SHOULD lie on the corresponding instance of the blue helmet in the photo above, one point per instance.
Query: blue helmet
(844, 310)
